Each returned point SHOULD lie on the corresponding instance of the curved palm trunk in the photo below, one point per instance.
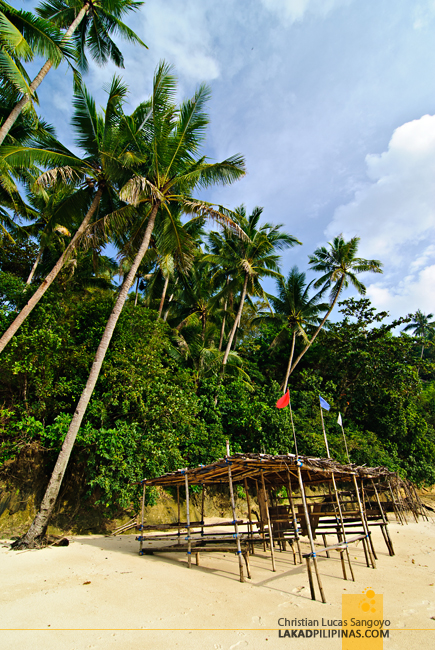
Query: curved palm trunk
(39, 524)
(221, 339)
(162, 300)
(137, 290)
(311, 341)
(171, 297)
(52, 275)
(236, 322)
(34, 267)
(287, 375)
(12, 117)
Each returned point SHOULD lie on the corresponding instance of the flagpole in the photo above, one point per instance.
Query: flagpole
(293, 426)
(344, 437)
(324, 432)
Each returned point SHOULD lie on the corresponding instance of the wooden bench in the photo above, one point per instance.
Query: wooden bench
(203, 547)
(341, 547)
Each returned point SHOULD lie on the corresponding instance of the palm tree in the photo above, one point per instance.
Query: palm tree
(420, 326)
(248, 260)
(98, 20)
(339, 266)
(98, 174)
(22, 36)
(169, 139)
(294, 311)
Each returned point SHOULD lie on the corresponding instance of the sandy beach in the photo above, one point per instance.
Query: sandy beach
(99, 593)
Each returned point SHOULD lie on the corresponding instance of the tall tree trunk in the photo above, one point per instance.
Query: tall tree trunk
(39, 524)
(52, 275)
(11, 119)
(162, 299)
(287, 375)
(311, 341)
(171, 297)
(236, 322)
(137, 289)
(34, 267)
(221, 339)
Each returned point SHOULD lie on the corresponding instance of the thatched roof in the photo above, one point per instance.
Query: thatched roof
(275, 470)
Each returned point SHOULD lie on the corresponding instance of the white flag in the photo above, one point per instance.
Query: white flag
(339, 420)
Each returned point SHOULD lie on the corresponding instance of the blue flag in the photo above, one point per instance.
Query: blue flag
(324, 404)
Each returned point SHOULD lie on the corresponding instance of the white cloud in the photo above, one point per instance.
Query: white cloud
(412, 293)
(394, 215)
(291, 11)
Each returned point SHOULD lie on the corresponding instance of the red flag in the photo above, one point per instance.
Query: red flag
(283, 401)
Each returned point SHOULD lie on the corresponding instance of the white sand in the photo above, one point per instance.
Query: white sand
(156, 602)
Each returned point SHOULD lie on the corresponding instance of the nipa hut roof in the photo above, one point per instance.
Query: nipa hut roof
(275, 470)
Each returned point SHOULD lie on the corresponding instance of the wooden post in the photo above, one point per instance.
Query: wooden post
(343, 531)
(202, 510)
(261, 521)
(364, 523)
(272, 550)
(189, 542)
(251, 533)
(313, 550)
(396, 509)
(233, 506)
(386, 533)
(142, 519)
(295, 521)
(179, 514)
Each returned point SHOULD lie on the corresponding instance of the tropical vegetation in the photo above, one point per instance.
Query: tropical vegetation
(141, 326)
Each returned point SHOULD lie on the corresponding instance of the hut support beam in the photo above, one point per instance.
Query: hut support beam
(313, 550)
(384, 528)
(142, 520)
(272, 550)
(365, 526)
(233, 507)
(294, 518)
(251, 533)
(343, 532)
(189, 541)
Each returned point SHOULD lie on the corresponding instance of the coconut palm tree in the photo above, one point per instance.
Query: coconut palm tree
(22, 36)
(97, 175)
(295, 312)
(90, 26)
(246, 261)
(339, 267)
(169, 139)
(420, 326)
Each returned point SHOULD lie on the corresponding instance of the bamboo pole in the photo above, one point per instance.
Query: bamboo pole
(294, 518)
(364, 523)
(385, 532)
(261, 524)
(272, 550)
(142, 519)
(396, 509)
(251, 532)
(313, 550)
(189, 542)
(324, 434)
(233, 506)
(202, 510)
(343, 531)
(178, 514)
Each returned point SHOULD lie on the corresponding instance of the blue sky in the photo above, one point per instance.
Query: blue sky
(332, 103)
